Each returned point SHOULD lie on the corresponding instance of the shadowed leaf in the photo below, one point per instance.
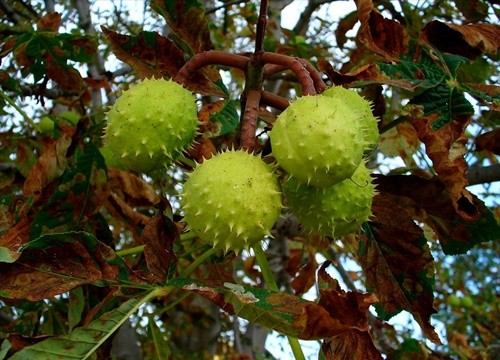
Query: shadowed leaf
(153, 55)
(351, 308)
(398, 263)
(187, 20)
(445, 146)
(385, 37)
(282, 312)
(489, 141)
(465, 40)
(83, 341)
(429, 201)
(351, 345)
(158, 237)
(56, 263)
(49, 166)
(80, 192)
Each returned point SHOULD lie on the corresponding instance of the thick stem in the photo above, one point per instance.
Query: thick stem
(294, 64)
(250, 120)
(211, 57)
(267, 274)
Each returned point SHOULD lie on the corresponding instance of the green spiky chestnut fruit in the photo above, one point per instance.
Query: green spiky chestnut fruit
(232, 200)
(151, 124)
(363, 109)
(335, 211)
(318, 140)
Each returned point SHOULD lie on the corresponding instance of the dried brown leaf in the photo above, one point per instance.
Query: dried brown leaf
(350, 345)
(153, 55)
(132, 188)
(465, 40)
(489, 141)
(14, 239)
(398, 263)
(385, 37)
(446, 148)
(41, 274)
(49, 166)
(158, 237)
(49, 22)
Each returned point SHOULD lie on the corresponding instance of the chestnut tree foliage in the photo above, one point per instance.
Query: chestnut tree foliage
(91, 254)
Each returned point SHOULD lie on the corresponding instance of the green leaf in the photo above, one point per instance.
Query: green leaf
(228, 117)
(75, 307)
(423, 75)
(6, 345)
(83, 341)
(458, 236)
(445, 101)
(162, 348)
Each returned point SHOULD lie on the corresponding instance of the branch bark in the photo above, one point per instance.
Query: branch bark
(483, 175)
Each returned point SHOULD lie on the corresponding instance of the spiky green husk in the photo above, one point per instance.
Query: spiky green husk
(363, 108)
(232, 200)
(334, 211)
(318, 140)
(151, 124)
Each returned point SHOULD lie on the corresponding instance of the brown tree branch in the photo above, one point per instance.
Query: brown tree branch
(297, 67)
(261, 27)
(211, 57)
(276, 101)
(483, 175)
(250, 120)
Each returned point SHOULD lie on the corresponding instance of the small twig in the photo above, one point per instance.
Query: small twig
(296, 66)
(250, 120)
(261, 27)
(211, 57)
(276, 101)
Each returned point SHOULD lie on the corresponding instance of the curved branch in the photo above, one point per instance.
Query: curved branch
(276, 101)
(294, 64)
(211, 57)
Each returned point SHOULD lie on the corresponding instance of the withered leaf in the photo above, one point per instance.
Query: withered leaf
(56, 263)
(187, 20)
(445, 147)
(13, 240)
(68, 78)
(427, 200)
(158, 237)
(351, 345)
(282, 312)
(398, 263)
(350, 308)
(465, 40)
(153, 55)
(489, 141)
(385, 37)
(49, 166)
(132, 188)
(49, 22)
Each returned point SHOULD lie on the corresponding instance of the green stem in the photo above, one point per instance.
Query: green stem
(19, 110)
(187, 161)
(131, 251)
(197, 262)
(271, 285)
(139, 249)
